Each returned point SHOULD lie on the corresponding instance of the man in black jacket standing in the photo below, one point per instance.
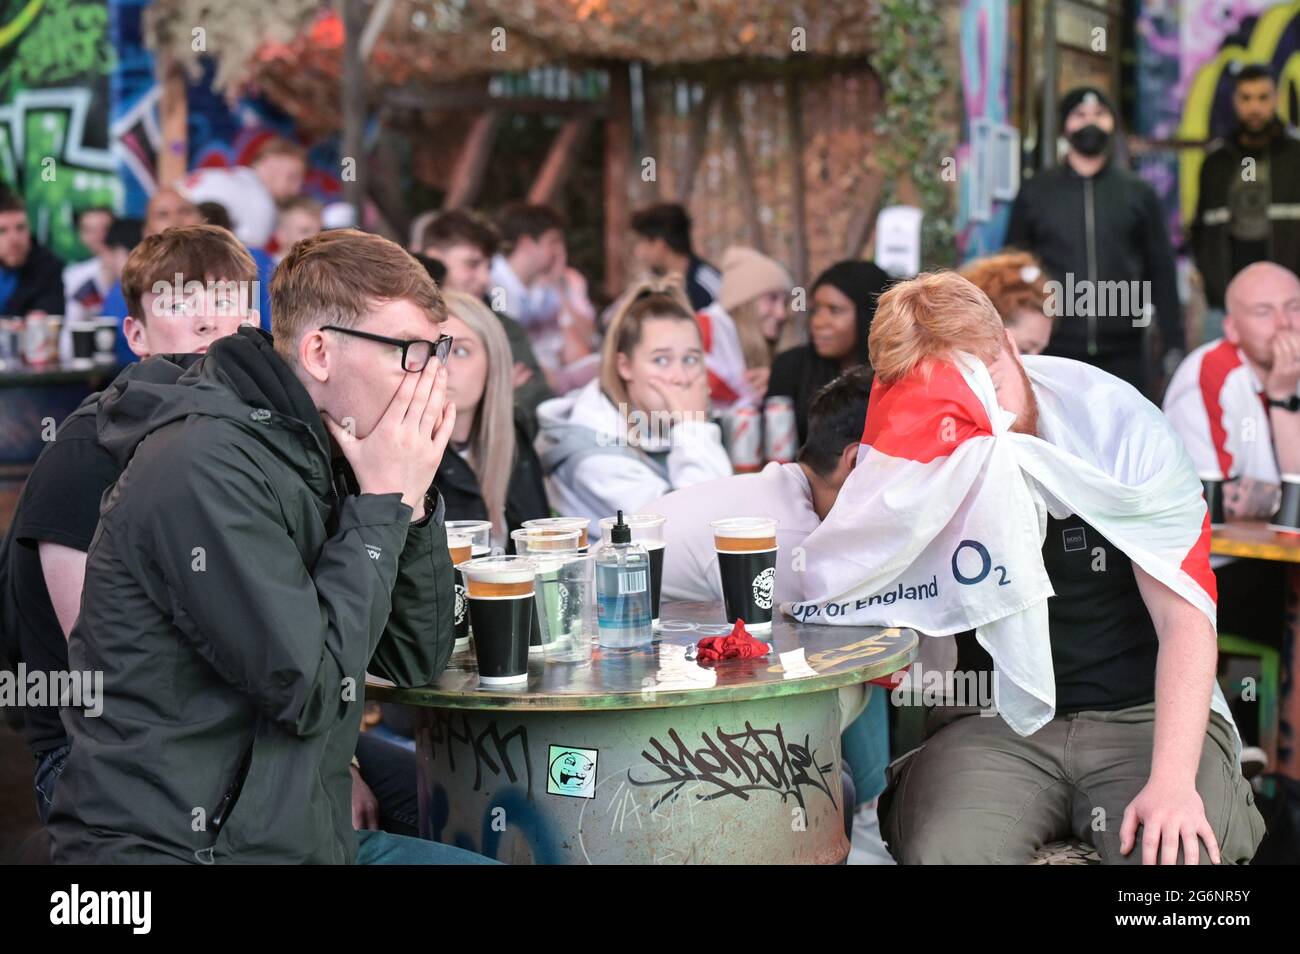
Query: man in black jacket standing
(1099, 231)
(1248, 208)
(236, 594)
(31, 276)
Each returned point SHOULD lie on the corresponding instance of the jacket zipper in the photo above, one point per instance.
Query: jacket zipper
(1090, 235)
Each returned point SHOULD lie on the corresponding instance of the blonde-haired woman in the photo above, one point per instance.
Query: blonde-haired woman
(494, 473)
(642, 428)
(740, 330)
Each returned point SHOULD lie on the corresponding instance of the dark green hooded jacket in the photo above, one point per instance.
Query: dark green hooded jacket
(234, 602)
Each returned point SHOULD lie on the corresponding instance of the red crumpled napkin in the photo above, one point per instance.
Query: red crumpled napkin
(737, 644)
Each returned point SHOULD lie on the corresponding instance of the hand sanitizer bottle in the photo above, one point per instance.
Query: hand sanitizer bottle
(622, 591)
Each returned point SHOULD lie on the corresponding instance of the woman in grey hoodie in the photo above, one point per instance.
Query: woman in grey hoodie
(642, 428)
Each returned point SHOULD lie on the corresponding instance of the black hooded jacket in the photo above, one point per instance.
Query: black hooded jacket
(234, 602)
(40, 284)
(60, 504)
(1271, 195)
(1106, 228)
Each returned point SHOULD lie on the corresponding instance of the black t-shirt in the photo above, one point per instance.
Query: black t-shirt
(59, 504)
(1103, 641)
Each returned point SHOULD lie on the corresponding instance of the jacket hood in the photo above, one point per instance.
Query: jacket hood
(241, 379)
(586, 421)
(575, 422)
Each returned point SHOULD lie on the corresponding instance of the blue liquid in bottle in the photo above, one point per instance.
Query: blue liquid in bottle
(623, 591)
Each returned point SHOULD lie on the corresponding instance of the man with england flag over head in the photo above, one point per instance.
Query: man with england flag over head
(1044, 513)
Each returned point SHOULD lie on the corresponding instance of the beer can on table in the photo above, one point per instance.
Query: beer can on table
(11, 343)
(745, 439)
(41, 340)
(780, 433)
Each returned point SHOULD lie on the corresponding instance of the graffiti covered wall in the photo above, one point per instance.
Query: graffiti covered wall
(988, 158)
(1185, 52)
(56, 63)
(79, 124)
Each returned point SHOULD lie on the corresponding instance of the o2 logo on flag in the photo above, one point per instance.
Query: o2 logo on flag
(979, 553)
(763, 586)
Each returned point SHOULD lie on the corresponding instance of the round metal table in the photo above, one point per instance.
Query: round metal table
(646, 757)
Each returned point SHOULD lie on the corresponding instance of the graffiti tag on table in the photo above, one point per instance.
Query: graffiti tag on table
(489, 748)
(830, 658)
(736, 764)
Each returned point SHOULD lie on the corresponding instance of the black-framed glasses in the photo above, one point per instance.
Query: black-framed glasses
(415, 352)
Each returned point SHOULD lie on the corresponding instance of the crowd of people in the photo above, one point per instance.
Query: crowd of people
(267, 480)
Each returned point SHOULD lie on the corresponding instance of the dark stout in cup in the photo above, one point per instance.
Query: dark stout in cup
(461, 550)
(1212, 487)
(500, 596)
(1287, 518)
(655, 550)
(747, 565)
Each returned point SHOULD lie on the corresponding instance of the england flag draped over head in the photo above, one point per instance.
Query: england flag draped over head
(940, 525)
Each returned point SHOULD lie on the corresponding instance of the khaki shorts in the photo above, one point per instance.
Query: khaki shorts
(978, 793)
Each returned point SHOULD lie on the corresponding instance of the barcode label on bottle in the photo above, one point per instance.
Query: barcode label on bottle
(631, 583)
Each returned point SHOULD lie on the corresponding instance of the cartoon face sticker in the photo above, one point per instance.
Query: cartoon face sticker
(572, 772)
(763, 587)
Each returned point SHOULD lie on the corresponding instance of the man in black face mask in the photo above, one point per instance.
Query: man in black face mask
(1248, 209)
(1099, 231)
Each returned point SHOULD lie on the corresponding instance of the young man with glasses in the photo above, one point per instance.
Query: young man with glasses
(237, 592)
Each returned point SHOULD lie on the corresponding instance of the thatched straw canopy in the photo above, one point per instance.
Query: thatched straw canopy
(294, 47)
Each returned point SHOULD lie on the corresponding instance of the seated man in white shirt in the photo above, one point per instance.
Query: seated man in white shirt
(798, 496)
(1234, 401)
(251, 193)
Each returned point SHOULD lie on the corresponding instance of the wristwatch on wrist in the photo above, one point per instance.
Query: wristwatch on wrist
(1291, 404)
(430, 505)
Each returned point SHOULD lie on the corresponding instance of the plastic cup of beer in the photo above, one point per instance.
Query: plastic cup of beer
(648, 531)
(549, 549)
(564, 587)
(581, 524)
(466, 539)
(530, 540)
(746, 548)
(500, 591)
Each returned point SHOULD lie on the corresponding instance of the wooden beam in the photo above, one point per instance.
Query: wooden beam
(794, 152)
(353, 100)
(862, 225)
(617, 169)
(745, 171)
(173, 119)
(384, 187)
(375, 26)
(697, 133)
(559, 162)
(471, 163)
(472, 97)
(651, 141)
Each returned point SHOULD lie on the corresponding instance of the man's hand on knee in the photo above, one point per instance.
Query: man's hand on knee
(1168, 814)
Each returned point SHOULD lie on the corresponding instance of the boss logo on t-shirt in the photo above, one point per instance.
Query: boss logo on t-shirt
(1074, 539)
